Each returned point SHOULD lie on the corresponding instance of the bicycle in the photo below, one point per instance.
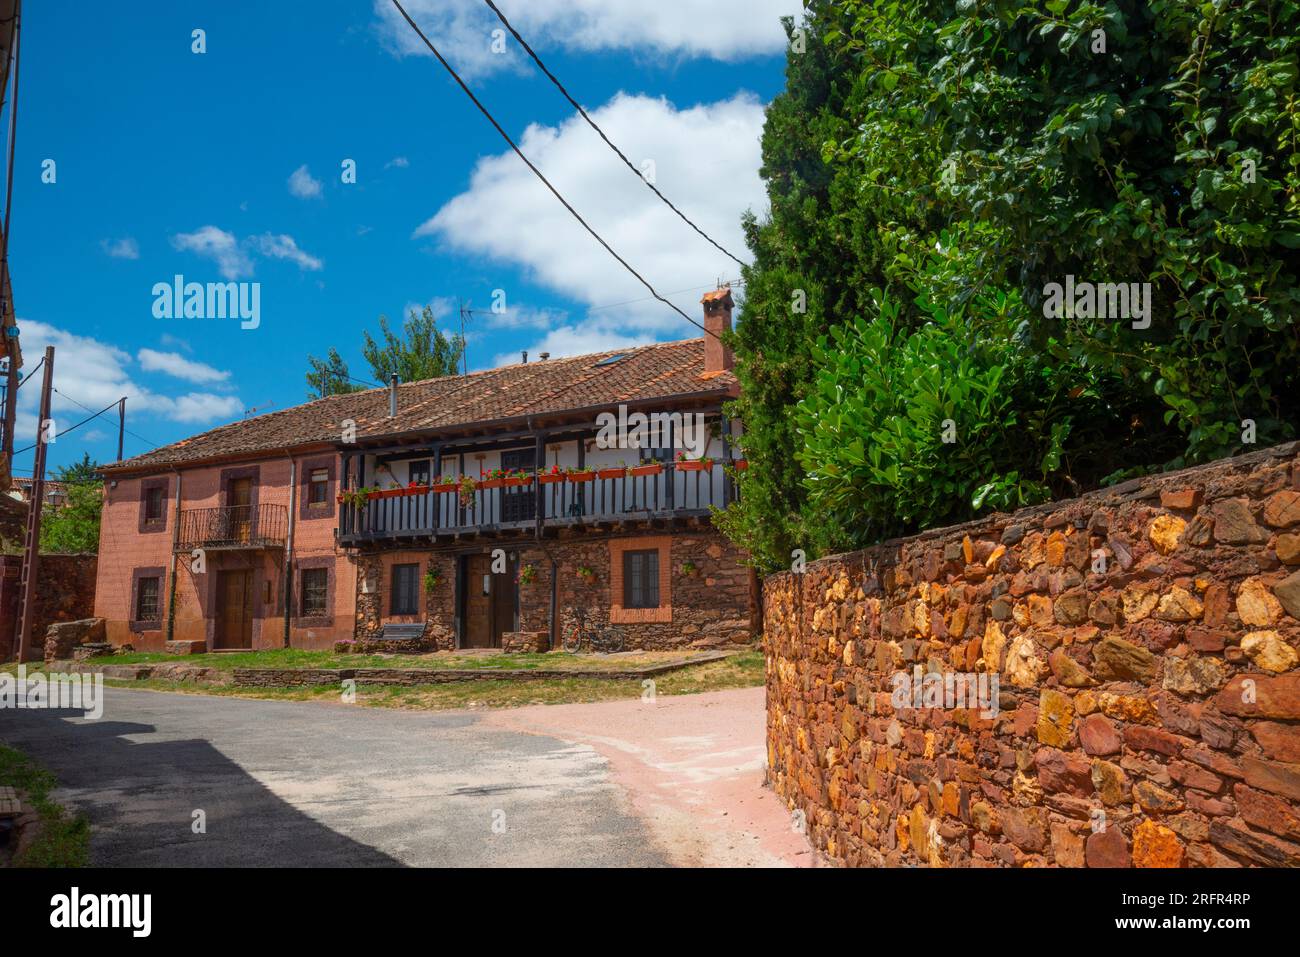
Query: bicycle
(602, 639)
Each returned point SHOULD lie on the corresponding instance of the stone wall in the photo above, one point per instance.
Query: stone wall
(65, 591)
(1145, 643)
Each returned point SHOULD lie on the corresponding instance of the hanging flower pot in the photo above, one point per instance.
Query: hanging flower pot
(550, 478)
(447, 485)
(465, 491)
(517, 481)
(741, 464)
(585, 475)
(492, 483)
(612, 473)
(527, 574)
(587, 574)
(694, 465)
(653, 468)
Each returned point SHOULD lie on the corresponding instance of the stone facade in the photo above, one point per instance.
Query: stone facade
(708, 596)
(1145, 642)
(62, 638)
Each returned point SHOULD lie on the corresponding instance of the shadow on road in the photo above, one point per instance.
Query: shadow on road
(142, 796)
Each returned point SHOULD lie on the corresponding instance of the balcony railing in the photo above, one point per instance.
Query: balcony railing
(672, 492)
(233, 526)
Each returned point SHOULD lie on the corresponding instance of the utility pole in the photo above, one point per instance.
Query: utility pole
(121, 425)
(32, 544)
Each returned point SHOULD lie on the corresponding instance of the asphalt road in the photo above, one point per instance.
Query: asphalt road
(317, 784)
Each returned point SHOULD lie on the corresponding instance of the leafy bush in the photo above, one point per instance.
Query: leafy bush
(925, 427)
(957, 153)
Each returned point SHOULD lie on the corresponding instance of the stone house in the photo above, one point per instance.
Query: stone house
(492, 508)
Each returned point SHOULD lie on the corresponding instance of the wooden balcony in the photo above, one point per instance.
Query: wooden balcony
(497, 509)
(233, 527)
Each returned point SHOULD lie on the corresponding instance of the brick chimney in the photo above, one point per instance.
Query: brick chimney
(717, 320)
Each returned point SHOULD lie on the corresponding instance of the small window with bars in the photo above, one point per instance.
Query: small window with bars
(148, 592)
(315, 592)
(641, 579)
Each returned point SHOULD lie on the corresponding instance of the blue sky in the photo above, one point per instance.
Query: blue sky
(226, 165)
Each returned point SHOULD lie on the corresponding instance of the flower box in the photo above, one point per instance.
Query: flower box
(691, 465)
(415, 490)
(741, 464)
(517, 482)
(582, 476)
(446, 486)
(612, 473)
(388, 493)
(653, 468)
(550, 478)
(491, 483)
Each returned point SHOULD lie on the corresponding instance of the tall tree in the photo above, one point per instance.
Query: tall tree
(329, 376)
(421, 352)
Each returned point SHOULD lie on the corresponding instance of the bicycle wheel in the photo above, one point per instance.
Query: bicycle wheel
(611, 640)
(573, 641)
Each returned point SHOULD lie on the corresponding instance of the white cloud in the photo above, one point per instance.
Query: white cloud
(303, 185)
(234, 259)
(220, 246)
(97, 374)
(706, 160)
(284, 247)
(400, 162)
(177, 366)
(574, 340)
(124, 248)
(726, 30)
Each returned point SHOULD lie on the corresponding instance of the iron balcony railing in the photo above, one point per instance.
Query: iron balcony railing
(626, 497)
(233, 526)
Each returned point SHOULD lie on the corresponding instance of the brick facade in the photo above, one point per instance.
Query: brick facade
(1146, 643)
(130, 548)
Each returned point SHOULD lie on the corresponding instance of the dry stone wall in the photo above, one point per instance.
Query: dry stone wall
(1145, 644)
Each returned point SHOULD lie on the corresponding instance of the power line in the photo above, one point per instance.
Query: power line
(538, 173)
(71, 427)
(601, 133)
(152, 445)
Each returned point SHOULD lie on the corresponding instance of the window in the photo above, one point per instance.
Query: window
(318, 488)
(147, 592)
(315, 592)
(419, 472)
(406, 590)
(641, 579)
(153, 504)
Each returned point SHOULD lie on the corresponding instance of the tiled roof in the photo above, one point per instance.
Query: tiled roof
(644, 373)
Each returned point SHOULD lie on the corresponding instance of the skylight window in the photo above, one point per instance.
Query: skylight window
(609, 361)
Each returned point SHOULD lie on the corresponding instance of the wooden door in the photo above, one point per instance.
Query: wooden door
(239, 496)
(234, 619)
(478, 601)
(504, 589)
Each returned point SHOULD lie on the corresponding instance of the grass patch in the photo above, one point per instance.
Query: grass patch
(64, 838)
(743, 670)
(298, 658)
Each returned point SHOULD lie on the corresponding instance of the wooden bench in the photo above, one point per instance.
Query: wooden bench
(395, 632)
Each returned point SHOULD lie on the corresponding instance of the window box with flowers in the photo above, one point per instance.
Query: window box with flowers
(614, 472)
(651, 468)
(693, 465)
(448, 483)
(581, 475)
(551, 476)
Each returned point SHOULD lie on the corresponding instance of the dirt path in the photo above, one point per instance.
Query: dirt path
(692, 769)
